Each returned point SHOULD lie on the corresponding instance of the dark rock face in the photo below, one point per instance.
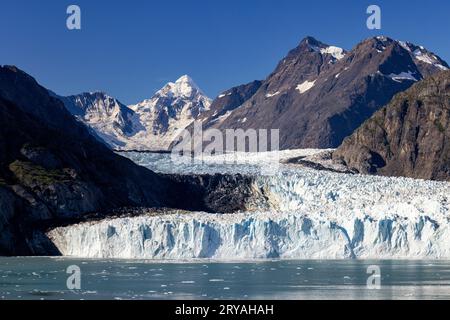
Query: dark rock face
(409, 137)
(8, 209)
(215, 193)
(319, 94)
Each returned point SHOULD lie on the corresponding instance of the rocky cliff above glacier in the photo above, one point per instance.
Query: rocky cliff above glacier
(409, 137)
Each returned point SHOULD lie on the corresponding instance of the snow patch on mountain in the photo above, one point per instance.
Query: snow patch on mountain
(222, 118)
(336, 52)
(422, 54)
(305, 86)
(223, 95)
(270, 95)
(402, 76)
(429, 59)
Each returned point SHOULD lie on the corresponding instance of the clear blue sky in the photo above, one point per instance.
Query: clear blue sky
(131, 48)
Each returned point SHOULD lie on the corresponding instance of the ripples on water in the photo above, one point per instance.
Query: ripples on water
(45, 278)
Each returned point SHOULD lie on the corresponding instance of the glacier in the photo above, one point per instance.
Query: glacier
(308, 214)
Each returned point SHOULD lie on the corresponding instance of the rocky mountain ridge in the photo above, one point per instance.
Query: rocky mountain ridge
(409, 137)
(319, 94)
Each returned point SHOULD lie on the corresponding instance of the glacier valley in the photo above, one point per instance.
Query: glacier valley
(307, 214)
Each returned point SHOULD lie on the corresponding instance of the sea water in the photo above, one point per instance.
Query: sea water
(46, 279)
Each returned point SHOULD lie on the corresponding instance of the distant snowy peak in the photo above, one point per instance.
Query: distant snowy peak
(175, 95)
(167, 113)
(183, 87)
(149, 125)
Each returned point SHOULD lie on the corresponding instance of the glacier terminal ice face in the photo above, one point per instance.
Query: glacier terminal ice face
(309, 214)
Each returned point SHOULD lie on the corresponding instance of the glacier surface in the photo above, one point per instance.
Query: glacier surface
(309, 214)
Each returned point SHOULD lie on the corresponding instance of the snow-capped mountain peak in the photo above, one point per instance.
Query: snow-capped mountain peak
(184, 87)
(169, 111)
(174, 97)
(186, 81)
(149, 125)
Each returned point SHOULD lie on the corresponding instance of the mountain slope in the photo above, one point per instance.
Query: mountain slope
(111, 120)
(223, 105)
(319, 94)
(409, 137)
(227, 101)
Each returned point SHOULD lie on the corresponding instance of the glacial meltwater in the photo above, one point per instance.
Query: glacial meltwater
(46, 279)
